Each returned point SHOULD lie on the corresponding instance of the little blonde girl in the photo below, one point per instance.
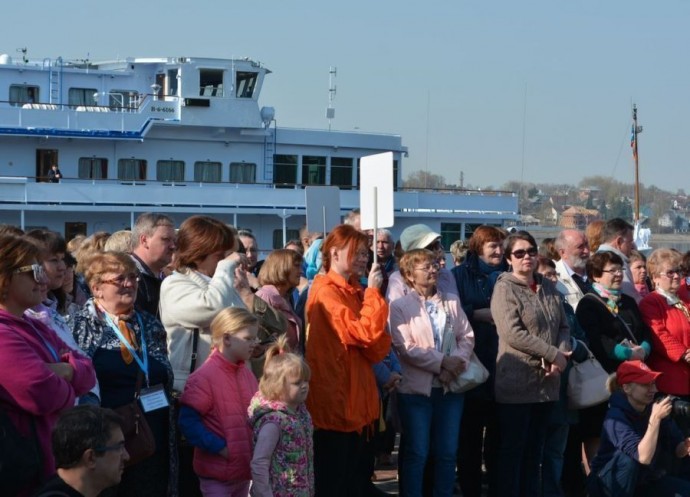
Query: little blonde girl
(283, 462)
(213, 414)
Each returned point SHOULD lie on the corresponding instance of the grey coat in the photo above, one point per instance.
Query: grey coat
(531, 327)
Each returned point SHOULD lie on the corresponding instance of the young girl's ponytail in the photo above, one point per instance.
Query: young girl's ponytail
(281, 366)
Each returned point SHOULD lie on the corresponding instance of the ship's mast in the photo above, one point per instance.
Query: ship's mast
(633, 143)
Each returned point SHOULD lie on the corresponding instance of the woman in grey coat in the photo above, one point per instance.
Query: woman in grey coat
(533, 346)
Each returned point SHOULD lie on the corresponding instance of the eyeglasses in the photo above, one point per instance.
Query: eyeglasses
(613, 271)
(121, 280)
(39, 273)
(118, 447)
(427, 269)
(672, 272)
(521, 253)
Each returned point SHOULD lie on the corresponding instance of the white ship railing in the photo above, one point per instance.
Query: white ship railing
(103, 195)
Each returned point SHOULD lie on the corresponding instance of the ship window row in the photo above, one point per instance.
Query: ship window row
(314, 170)
(76, 97)
(133, 169)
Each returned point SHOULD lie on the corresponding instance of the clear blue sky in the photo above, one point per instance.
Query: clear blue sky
(477, 69)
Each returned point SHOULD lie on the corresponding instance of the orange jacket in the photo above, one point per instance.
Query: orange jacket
(347, 336)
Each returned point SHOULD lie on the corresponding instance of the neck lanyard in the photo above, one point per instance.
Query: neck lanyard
(144, 361)
(50, 348)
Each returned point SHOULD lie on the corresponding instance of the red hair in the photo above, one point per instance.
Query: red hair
(343, 236)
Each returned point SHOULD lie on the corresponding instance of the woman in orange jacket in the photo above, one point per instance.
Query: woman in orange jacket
(347, 336)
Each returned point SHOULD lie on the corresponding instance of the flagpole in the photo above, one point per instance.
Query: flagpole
(636, 157)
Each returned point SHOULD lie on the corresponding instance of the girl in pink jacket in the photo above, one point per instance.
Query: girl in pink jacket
(213, 416)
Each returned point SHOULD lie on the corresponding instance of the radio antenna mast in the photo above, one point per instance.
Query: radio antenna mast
(330, 111)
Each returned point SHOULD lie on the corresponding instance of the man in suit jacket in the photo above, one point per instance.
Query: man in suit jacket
(572, 276)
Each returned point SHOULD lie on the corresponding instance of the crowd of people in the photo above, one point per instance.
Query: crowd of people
(171, 361)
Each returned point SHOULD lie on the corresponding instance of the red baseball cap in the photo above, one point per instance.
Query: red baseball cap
(635, 372)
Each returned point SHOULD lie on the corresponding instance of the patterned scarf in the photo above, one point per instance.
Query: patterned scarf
(122, 322)
(611, 296)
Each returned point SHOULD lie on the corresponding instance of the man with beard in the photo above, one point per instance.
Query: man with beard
(573, 248)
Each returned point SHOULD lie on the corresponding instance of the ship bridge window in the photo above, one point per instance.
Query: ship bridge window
(23, 94)
(395, 174)
(82, 96)
(245, 83)
(242, 172)
(207, 172)
(93, 168)
(131, 169)
(284, 169)
(290, 234)
(313, 170)
(170, 170)
(119, 99)
(210, 82)
(341, 172)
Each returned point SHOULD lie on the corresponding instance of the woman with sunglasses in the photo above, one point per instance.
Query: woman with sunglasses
(128, 348)
(667, 312)
(41, 376)
(615, 332)
(533, 349)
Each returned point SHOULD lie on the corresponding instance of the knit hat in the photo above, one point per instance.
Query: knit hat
(417, 236)
(635, 372)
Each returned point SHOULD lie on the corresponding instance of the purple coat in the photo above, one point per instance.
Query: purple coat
(28, 388)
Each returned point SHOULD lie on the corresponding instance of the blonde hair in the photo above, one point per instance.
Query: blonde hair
(280, 366)
(120, 241)
(612, 383)
(101, 263)
(230, 321)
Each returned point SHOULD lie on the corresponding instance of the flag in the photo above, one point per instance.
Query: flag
(633, 141)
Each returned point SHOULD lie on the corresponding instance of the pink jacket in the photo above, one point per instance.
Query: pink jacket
(413, 339)
(220, 391)
(28, 388)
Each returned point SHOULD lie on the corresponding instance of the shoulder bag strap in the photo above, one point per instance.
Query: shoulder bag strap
(625, 325)
(195, 346)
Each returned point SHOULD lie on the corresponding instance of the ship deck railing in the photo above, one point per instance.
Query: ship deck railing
(125, 194)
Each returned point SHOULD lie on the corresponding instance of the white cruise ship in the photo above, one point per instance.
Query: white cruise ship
(186, 135)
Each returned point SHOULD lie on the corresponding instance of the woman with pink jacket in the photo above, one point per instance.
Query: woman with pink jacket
(420, 322)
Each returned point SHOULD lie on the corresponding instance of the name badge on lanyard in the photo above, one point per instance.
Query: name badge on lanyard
(153, 398)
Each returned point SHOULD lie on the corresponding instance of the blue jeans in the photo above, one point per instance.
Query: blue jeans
(552, 463)
(618, 478)
(522, 433)
(430, 425)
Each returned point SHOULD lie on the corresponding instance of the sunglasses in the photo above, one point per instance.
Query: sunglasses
(521, 253)
(39, 273)
(673, 272)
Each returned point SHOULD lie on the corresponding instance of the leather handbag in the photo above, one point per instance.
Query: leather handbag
(139, 440)
(20, 457)
(587, 383)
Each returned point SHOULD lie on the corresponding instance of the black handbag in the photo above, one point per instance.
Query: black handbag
(139, 440)
(20, 457)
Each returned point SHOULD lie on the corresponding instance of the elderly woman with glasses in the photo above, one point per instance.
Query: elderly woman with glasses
(434, 341)
(128, 349)
(41, 376)
(615, 332)
(533, 350)
(667, 312)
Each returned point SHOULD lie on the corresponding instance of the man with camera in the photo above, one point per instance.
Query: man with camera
(637, 434)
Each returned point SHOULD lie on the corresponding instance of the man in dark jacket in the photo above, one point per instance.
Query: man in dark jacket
(153, 244)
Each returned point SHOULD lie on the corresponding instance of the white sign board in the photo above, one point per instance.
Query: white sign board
(376, 191)
(323, 208)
